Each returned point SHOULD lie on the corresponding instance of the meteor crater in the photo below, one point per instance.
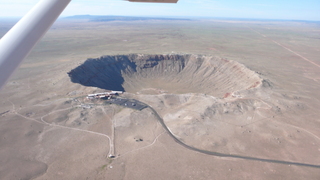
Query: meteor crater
(173, 73)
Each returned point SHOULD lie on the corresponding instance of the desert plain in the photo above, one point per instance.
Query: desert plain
(240, 100)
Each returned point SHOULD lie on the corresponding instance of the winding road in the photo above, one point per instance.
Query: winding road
(218, 154)
(111, 145)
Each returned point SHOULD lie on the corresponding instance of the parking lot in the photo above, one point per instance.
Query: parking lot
(129, 103)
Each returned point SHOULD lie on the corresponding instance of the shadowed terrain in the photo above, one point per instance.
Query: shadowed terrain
(174, 73)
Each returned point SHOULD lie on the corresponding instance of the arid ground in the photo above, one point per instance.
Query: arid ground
(239, 100)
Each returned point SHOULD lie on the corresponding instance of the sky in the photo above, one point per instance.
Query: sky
(253, 9)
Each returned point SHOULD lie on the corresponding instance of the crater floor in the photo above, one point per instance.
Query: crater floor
(173, 73)
(205, 101)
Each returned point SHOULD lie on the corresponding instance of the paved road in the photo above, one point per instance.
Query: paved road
(223, 154)
(212, 153)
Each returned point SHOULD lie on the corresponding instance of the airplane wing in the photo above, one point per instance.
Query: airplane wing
(20, 40)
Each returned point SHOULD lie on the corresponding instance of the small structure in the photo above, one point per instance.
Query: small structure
(111, 156)
(116, 92)
(104, 95)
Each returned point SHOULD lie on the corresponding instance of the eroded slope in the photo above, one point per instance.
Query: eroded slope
(176, 74)
(206, 102)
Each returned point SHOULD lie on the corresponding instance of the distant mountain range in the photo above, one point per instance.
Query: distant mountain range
(122, 18)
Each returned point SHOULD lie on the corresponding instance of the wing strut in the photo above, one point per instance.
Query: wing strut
(20, 40)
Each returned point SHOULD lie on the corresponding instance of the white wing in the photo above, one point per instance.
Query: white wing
(20, 40)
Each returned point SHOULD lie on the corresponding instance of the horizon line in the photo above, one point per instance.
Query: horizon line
(194, 17)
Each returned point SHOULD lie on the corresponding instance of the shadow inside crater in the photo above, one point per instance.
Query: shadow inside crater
(104, 72)
(173, 73)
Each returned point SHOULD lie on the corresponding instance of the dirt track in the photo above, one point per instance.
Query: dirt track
(276, 120)
(223, 154)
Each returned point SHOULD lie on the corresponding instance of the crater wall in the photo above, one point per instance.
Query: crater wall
(171, 73)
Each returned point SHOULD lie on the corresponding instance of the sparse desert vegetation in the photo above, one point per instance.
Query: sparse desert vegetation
(244, 88)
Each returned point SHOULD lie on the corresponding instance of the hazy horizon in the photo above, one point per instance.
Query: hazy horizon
(262, 9)
(153, 16)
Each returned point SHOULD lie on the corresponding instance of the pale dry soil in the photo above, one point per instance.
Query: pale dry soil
(49, 130)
